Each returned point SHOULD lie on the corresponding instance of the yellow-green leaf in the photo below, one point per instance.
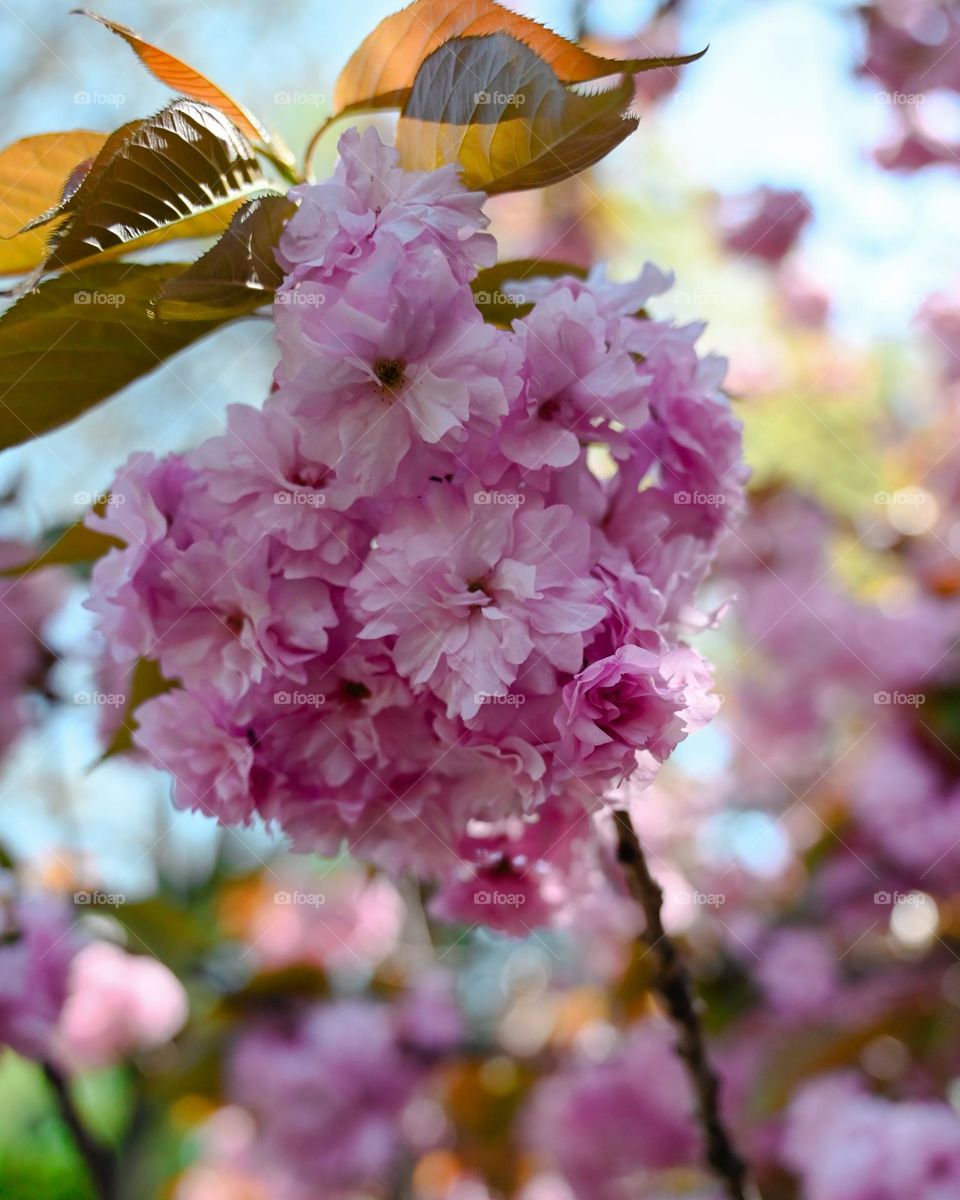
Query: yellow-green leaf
(381, 72)
(74, 546)
(238, 274)
(496, 108)
(146, 681)
(33, 173)
(153, 175)
(501, 305)
(79, 338)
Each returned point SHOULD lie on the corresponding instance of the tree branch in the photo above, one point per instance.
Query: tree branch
(98, 1158)
(673, 985)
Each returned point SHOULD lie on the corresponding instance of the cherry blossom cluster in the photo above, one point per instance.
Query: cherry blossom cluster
(431, 600)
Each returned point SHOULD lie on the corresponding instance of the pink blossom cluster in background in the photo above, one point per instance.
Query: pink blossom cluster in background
(912, 55)
(335, 1088)
(26, 606)
(37, 947)
(432, 599)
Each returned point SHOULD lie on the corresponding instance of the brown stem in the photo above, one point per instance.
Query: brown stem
(673, 984)
(98, 1158)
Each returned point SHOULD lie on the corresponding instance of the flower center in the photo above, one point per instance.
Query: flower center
(548, 409)
(234, 622)
(310, 475)
(390, 372)
(350, 689)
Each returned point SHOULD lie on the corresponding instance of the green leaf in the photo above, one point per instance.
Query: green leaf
(501, 307)
(238, 274)
(496, 108)
(74, 546)
(78, 339)
(146, 681)
(184, 162)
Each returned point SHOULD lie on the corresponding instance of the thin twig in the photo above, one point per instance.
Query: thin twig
(673, 984)
(99, 1159)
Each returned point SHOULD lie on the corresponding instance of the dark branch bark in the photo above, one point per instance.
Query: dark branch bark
(673, 985)
(99, 1159)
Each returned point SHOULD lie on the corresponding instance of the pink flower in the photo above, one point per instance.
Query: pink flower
(607, 1123)
(575, 378)
(617, 706)
(396, 354)
(471, 590)
(210, 758)
(118, 1004)
(37, 946)
(339, 223)
(798, 973)
(765, 223)
(328, 1091)
(846, 1145)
